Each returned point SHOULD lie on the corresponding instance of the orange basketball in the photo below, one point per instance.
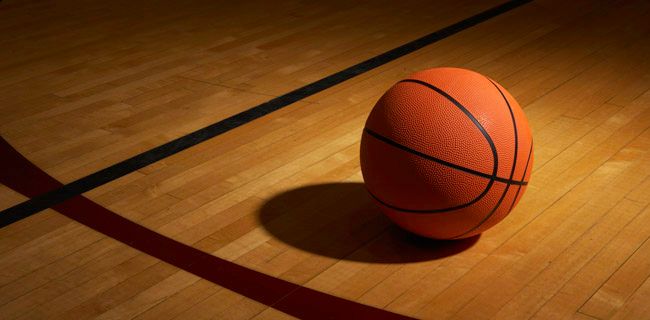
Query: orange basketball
(446, 153)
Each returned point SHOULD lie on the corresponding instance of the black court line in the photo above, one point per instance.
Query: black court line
(146, 158)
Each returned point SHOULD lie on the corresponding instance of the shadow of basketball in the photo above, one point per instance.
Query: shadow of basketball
(339, 220)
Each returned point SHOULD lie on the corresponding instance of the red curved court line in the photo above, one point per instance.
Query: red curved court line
(20, 174)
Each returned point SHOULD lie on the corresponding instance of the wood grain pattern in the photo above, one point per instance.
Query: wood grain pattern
(87, 84)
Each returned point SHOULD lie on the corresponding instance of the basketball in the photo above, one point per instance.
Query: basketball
(446, 153)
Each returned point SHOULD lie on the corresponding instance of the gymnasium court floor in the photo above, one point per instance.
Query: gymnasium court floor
(138, 183)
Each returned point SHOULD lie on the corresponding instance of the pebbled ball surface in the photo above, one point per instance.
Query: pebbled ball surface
(441, 149)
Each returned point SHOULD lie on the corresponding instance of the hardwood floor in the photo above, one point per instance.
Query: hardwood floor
(87, 84)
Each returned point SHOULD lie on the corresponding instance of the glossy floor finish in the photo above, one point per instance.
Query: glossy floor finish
(87, 84)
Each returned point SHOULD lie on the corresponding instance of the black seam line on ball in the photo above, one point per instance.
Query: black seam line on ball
(512, 171)
(487, 137)
(479, 126)
(428, 211)
(512, 205)
(432, 211)
(443, 162)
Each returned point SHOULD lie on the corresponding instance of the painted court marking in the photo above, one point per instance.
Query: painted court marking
(48, 199)
(288, 297)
